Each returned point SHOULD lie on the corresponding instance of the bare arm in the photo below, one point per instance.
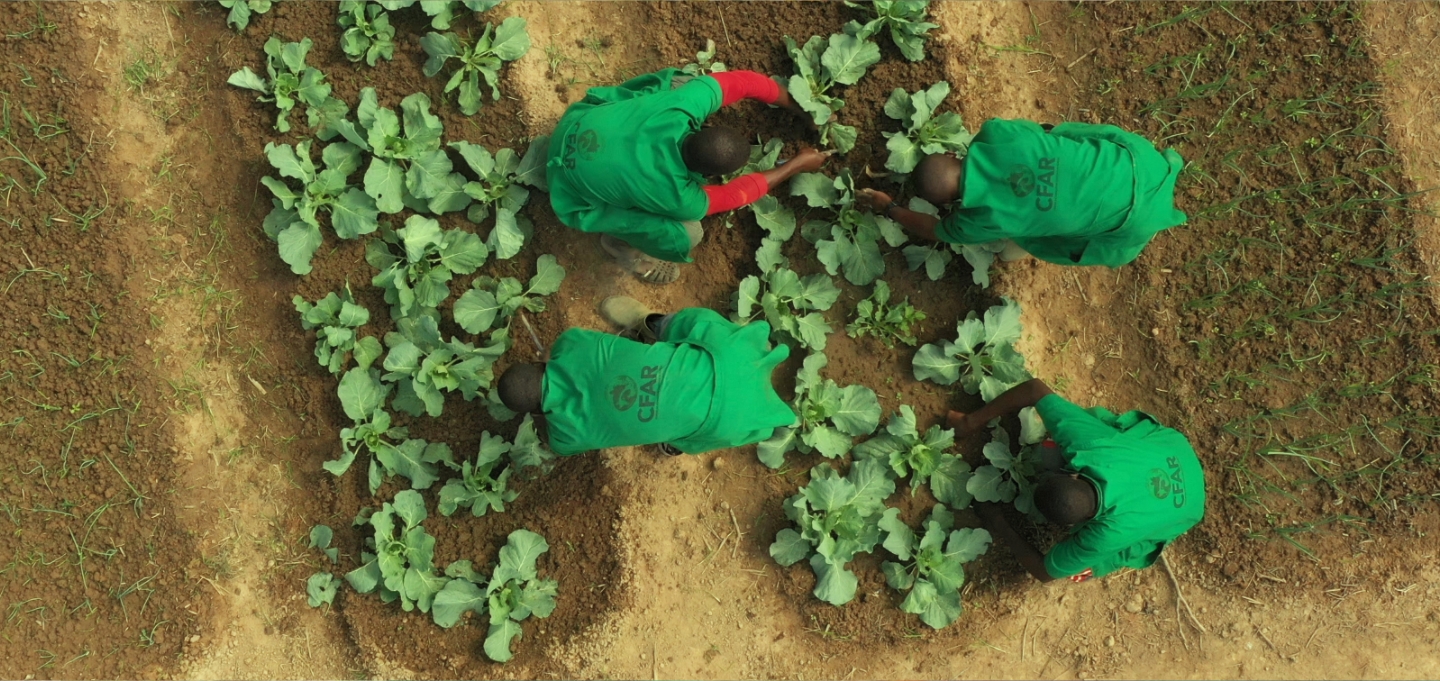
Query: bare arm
(1009, 402)
(1030, 558)
(808, 160)
(916, 223)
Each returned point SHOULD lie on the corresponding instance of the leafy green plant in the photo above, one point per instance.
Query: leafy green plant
(498, 189)
(493, 301)
(335, 319)
(294, 219)
(904, 18)
(982, 357)
(418, 279)
(241, 11)
(924, 132)
(367, 33)
(828, 417)
(923, 457)
(704, 63)
(441, 12)
(392, 451)
(290, 80)
(320, 589)
(821, 65)
(400, 560)
(529, 451)
(320, 538)
(837, 519)
(424, 367)
(853, 243)
(481, 59)
(936, 256)
(480, 487)
(408, 169)
(513, 593)
(1011, 476)
(932, 569)
(793, 306)
(875, 316)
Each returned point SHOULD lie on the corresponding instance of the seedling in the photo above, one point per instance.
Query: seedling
(853, 243)
(424, 367)
(904, 18)
(493, 301)
(931, 570)
(821, 65)
(922, 457)
(704, 63)
(290, 80)
(837, 519)
(890, 323)
(392, 452)
(514, 592)
(498, 189)
(320, 537)
(483, 58)
(400, 560)
(985, 351)
(336, 318)
(241, 10)
(1011, 476)
(924, 132)
(828, 417)
(418, 280)
(793, 306)
(441, 12)
(320, 589)
(294, 221)
(367, 32)
(480, 487)
(407, 168)
(935, 257)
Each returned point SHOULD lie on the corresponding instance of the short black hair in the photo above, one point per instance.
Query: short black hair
(938, 178)
(715, 151)
(1065, 499)
(520, 387)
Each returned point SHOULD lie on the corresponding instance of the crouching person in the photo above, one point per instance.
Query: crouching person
(702, 384)
(1128, 486)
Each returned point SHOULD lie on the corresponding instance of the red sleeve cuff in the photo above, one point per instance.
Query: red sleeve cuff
(738, 85)
(741, 191)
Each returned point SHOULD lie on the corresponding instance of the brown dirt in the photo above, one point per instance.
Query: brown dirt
(664, 571)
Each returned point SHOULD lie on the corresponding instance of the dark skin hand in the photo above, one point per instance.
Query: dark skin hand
(807, 161)
(788, 102)
(993, 515)
(917, 224)
(1009, 402)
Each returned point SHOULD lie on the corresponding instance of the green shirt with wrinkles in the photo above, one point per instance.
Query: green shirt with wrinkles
(1151, 487)
(1079, 194)
(615, 167)
(705, 385)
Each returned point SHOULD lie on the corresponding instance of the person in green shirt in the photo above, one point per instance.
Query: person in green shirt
(702, 384)
(1070, 194)
(631, 162)
(1130, 486)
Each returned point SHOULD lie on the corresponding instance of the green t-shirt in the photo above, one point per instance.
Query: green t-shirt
(615, 166)
(1080, 194)
(704, 386)
(1151, 487)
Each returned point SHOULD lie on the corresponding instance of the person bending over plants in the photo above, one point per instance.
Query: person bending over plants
(1131, 486)
(701, 383)
(1070, 194)
(629, 161)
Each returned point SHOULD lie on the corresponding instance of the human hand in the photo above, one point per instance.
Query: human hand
(808, 160)
(877, 201)
(960, 422)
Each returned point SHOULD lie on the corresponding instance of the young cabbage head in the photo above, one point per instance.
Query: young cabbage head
(940, 178)
(520, 387)
(715, 151)
(1066, 498)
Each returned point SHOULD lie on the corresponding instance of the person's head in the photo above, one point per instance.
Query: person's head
(520, 387)
(938, 178)
(1066, 498)
(715, 151)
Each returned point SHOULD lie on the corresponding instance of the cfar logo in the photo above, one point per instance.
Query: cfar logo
(623, 393)
(1022, 181)
(1159, 483)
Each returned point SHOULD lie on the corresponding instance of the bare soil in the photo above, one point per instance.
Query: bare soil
(168, 421)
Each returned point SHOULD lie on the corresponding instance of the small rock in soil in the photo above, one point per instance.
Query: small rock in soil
(1135, 604)
(718, 463)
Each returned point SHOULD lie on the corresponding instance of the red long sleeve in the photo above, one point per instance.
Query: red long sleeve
(738, 85)
(741, 191)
